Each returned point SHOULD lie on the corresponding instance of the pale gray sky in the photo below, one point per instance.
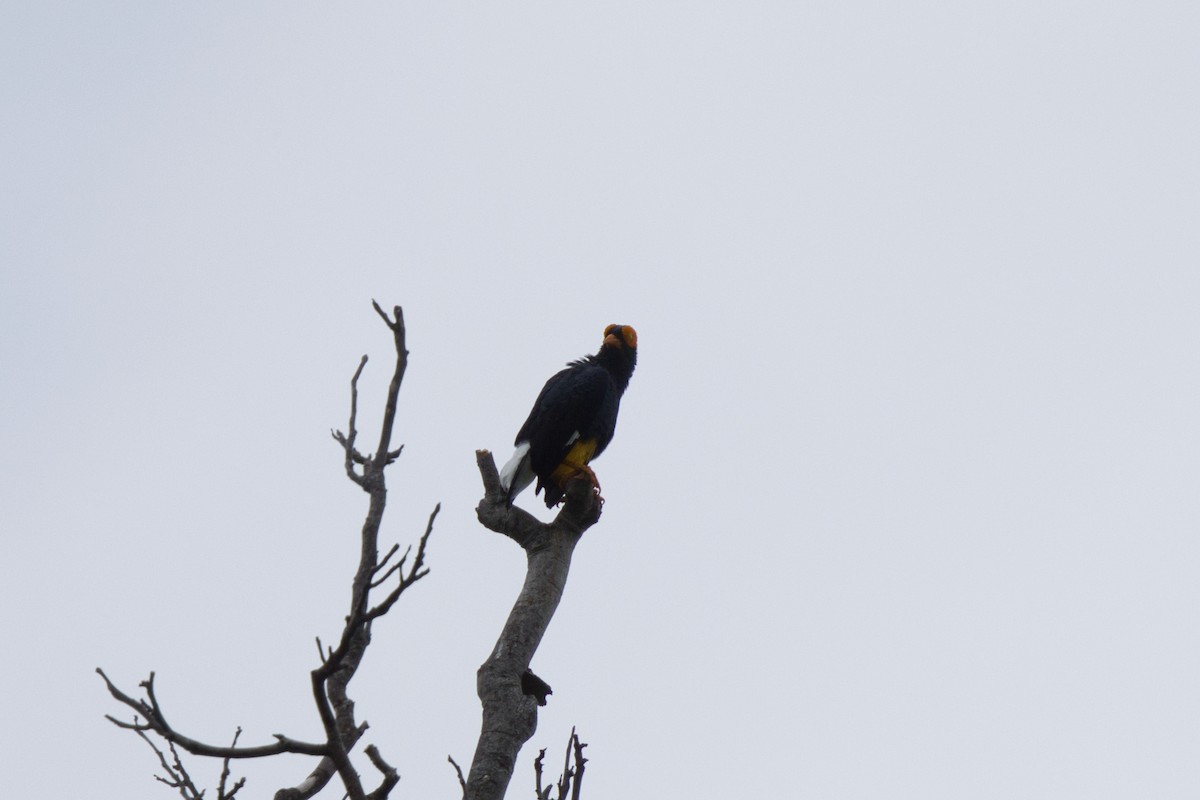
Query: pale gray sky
(903, 499)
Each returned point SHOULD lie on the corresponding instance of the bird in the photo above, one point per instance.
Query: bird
(573, 420)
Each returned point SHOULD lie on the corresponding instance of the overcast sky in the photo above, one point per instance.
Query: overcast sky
(903, 498)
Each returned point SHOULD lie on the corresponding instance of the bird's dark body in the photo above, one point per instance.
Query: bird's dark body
(582, 398)
(575, 415)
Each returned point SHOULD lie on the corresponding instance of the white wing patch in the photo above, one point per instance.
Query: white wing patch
(517, 474)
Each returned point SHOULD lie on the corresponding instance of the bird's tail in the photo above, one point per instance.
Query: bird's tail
(517, 474)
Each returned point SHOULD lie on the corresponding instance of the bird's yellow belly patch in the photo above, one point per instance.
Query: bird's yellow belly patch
(575, 460)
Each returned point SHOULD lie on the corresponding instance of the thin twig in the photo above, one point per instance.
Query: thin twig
(157, 723)
(579, 762)
(537, 771)
(399, 565)
(415, 573)
(462, 782)
(564, 780)
(382, 453)
(347, 440)
(177, 776)
(238, 784)
(387, 557)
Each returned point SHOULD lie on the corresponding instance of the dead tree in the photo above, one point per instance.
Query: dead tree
(509, 691)
(370, 599)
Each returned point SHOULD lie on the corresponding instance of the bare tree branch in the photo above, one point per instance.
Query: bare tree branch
(462, 782)
(329, 680)
(579, 762)
(542, 794)
(238, 784)
(510, 714)
(564, 780)
(390, 776)
(393, 569)
(571, 779)
(156, 722)
(389, 413)
(415, 572)
(177, 775)
(347, 440)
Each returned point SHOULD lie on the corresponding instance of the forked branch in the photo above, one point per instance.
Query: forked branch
(570, 782)
(338, 664)
(509, 711)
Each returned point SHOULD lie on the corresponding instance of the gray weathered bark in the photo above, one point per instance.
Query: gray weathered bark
(510, 715)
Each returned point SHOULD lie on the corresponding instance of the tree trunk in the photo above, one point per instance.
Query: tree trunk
(509, 714)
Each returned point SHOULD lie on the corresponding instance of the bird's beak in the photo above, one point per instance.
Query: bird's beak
(612, 340)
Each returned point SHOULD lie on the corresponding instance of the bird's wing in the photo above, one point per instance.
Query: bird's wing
(567, 406)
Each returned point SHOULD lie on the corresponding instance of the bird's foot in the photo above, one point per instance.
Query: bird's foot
(591, 476)
(568, 472)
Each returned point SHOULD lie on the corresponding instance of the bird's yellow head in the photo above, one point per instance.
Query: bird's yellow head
(620, 336)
